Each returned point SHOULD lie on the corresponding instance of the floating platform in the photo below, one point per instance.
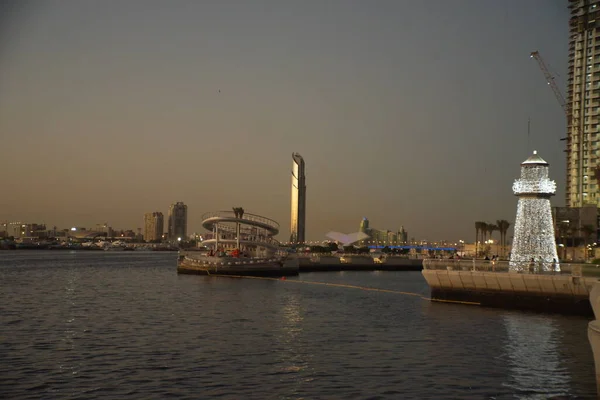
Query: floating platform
(205, 265)
(492, 285)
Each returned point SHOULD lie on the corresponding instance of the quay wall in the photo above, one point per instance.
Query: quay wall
(494, 286)
(594, 331)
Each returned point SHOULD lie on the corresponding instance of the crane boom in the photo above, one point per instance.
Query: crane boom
(550, 80)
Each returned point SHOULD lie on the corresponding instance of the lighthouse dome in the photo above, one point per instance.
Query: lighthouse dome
(534, 159)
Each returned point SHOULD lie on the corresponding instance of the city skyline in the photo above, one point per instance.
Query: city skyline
(414, 114)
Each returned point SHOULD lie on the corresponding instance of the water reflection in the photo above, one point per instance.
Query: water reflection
(66, 364)
(532, 356)
(293, 353)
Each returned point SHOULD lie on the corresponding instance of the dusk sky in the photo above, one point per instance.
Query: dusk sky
(409, 113)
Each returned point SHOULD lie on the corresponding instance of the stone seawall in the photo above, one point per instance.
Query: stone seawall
(551, 293)
(594, 331)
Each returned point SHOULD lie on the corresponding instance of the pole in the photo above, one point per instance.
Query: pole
(216, 237)
(237, 235)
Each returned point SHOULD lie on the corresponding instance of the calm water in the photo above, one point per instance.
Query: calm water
(124, 325)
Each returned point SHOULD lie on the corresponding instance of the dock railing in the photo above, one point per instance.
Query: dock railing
(247, 216)
(572, 269)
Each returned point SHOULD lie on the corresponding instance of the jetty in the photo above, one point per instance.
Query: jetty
(497, 284)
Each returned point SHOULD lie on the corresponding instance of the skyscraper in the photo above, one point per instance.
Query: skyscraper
(177, 221)
(298, 223)
(153, 226)
(583, 104)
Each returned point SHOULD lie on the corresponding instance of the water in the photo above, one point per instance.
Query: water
(85, 325)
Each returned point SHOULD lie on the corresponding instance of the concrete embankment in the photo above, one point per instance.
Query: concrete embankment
(567, 292)
(326, 263)
(594, 331)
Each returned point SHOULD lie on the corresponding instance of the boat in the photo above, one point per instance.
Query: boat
(239, 244)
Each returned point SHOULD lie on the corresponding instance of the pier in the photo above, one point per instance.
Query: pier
(494, 284)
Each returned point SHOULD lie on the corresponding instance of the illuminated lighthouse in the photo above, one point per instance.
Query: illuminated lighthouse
(533, 244)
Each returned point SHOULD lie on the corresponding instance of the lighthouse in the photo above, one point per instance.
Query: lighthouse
(534, 247)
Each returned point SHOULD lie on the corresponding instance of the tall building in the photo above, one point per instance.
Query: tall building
(298, 223)
(177, 221)
(153, 226)
(583, 104)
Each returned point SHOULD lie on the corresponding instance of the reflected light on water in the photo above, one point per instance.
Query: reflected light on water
(531, 353)
(293, 354)
(66, 364)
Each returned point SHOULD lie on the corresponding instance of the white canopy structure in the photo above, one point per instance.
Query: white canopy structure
(347, 239)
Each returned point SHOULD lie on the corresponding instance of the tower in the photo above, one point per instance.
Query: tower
(534, 230)
(178, 221)
(298, 208)
(153, 226)
(582, 150)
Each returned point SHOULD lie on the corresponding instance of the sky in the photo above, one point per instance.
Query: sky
(408, 113)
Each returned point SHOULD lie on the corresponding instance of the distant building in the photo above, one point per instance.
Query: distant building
(21, 230)
(382, 238)
(153, 226)
(582, 104)
(177, 221)
(79, 232)
(298, 207)
(573, 226)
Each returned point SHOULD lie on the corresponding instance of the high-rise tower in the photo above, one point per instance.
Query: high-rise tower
(533, 244)
(298, 209)
(583, 103)
(153, 226)
(177, 221)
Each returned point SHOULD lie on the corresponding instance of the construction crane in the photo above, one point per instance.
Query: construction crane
(566, 108)
(550, 80)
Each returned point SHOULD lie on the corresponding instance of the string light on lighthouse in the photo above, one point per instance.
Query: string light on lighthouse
(533, 244)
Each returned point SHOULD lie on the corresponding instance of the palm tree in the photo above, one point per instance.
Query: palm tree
(484, 232)
(477, 226)
(503, 226)
(480, 228)
(491, 228)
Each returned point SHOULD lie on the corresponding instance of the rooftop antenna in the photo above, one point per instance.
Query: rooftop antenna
(528, 133)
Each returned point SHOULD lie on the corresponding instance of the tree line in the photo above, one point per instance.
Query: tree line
(483, 229)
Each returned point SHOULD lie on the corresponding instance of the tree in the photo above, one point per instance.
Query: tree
(491, 228)
(503, 226)
(563, 231)
(332, 246)
(477, 226)
(480, 229)
(588, 231)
